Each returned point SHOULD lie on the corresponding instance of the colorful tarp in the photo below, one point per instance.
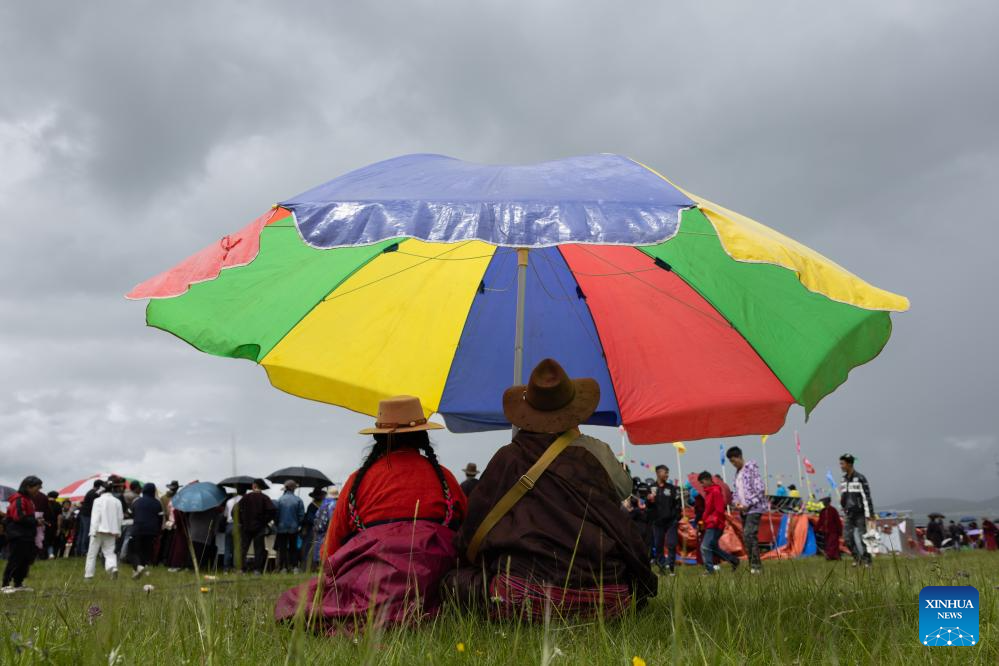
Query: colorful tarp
(401, 278)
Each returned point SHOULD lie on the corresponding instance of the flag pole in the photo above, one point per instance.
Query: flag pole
(624, 445)
(679, 476)
(766, 473)
(797, 447)
(721, 450)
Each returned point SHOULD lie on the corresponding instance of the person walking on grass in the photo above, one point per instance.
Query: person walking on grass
(147, 516)
(855, 498)
(254, 512)
(750, 500)
(105, 529)
(21, 530)
(664, 505)
(290, 514)
(714, 524)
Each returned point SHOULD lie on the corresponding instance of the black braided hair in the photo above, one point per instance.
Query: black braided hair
(384, 443)
(428, 451)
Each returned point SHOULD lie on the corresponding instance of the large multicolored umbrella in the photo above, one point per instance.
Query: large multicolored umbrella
(431, 276)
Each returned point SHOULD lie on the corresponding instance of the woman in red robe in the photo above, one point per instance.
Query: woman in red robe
(830, 525)
(390, 539)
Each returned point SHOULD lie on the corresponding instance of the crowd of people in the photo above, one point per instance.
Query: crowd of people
(955, 535)
(656, 506)
(123, 521)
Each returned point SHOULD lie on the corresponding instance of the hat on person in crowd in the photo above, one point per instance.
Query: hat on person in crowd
(403, 413)
(471, 469)
(290, 485)
(551, 402)
(261, 484)
(317, 494)
(173, 485)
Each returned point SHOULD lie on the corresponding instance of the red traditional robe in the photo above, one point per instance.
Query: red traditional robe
(830, 525)
(990, 532)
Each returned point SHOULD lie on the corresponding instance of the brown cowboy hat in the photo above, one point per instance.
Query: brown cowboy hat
(403, 413)
(550, 401)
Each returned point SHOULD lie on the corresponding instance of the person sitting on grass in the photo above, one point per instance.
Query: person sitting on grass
(392, 539)
(21, 529)
(544, 524)
(714, 524)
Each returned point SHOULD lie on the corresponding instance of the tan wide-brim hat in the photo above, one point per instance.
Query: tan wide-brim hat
(403, 413)
(551, 402)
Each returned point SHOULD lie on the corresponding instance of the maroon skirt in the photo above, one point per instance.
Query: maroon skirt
(387, 574)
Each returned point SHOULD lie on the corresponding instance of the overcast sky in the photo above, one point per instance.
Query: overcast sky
(134, 134)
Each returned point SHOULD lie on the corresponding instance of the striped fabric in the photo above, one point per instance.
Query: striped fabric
(512, 596)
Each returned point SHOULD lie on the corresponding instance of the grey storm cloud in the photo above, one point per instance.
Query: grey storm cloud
(133, 134)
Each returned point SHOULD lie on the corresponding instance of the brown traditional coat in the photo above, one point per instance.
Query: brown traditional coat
(568, 530)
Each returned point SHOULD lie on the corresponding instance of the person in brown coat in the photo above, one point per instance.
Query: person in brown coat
(565, 540)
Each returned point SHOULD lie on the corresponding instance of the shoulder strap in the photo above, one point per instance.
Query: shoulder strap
(519, 489)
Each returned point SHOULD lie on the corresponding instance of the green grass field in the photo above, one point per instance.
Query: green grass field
(799, 612)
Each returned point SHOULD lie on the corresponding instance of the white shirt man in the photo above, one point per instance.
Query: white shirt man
(105, 528)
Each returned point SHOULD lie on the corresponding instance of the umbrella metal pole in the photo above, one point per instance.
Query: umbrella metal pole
(518, 344)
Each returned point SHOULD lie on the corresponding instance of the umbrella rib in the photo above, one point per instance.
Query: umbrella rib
(438, 258)
(596, 343)
(335, 295)
(632, 274)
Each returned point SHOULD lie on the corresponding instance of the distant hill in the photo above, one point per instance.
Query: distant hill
(946, 505)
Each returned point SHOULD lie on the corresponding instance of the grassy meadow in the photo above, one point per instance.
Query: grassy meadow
(798, 612)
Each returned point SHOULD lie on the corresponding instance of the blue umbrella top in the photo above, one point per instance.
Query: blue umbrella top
(200, 496)
(604, 199)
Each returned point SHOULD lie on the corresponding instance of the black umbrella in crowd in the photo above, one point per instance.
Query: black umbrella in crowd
(239, 482)
(303, 476)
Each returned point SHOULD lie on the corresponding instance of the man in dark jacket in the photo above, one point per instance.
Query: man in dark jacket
(254, 512)
(664, 503)
(565, 542)
(147, 520)
(855, 498)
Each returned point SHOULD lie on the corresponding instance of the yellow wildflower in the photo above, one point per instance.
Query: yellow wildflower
(637, 661)
(461, 647)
